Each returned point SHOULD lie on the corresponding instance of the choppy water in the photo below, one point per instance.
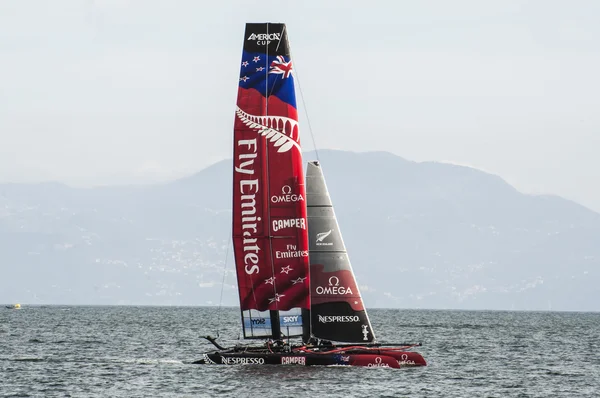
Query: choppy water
(142, 352)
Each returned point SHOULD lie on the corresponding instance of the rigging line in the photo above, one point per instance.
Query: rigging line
(267, 74)
(219, 313)
(310, 130)
(279, 41)
(312, 136)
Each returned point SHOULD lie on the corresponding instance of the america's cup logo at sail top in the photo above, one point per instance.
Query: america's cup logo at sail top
(267, 160)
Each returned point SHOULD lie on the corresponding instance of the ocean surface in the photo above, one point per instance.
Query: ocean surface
(61, 351)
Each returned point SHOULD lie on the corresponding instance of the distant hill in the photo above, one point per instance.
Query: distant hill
(420, 235)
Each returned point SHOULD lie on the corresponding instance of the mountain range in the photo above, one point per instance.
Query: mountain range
(419, 235)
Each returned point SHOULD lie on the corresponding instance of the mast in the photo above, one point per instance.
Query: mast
(273, 314)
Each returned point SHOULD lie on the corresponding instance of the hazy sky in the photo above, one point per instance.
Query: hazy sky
(116, 91)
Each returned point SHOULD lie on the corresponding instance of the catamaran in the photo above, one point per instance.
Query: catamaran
(296, 286)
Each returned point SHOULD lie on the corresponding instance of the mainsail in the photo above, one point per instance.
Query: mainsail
(337, 309)
(270, 235)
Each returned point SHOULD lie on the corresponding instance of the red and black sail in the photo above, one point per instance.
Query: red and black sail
(270, 229)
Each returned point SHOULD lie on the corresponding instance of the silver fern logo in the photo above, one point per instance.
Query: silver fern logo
(275, 129)
(321, 236)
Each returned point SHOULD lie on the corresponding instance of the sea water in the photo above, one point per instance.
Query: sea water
(62, 351)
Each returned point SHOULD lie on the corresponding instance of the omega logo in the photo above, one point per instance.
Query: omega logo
(287, 196)
(334, 287)
(378, 363)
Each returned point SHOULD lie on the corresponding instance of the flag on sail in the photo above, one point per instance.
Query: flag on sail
(268, 75)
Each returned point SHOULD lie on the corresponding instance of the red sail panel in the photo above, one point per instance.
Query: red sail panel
(270, 233)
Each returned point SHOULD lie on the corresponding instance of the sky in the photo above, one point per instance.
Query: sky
(96, 92)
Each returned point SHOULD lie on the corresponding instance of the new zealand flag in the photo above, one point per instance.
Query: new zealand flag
(269, 75)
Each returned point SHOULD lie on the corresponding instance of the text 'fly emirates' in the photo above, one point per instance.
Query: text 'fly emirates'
(248, 190)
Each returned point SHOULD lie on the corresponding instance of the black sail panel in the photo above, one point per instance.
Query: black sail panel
(337, 310)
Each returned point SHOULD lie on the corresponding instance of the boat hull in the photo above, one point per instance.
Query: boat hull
(391, 359)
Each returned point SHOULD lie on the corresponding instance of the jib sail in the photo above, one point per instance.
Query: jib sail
(270, 234)
(337, 309)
